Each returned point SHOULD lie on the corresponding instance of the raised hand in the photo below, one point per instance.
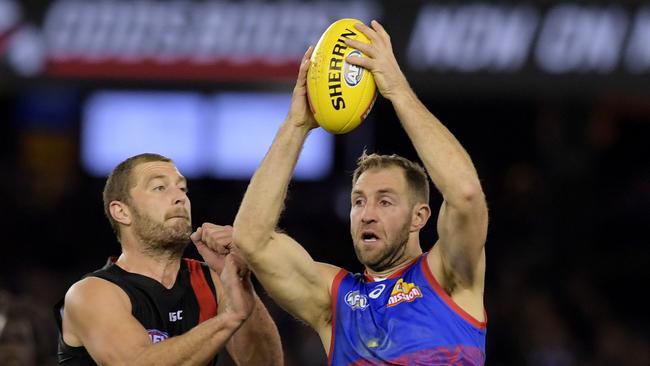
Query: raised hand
(238, 298)
(380, 60)
(213, 243)
(299, 113)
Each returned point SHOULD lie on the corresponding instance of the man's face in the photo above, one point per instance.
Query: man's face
(380, 217)
(161, 209)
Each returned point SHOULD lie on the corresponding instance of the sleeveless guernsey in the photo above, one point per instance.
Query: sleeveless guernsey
(406, 319)
(163, 312)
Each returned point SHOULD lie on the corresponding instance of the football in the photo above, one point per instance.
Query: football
(340, 94)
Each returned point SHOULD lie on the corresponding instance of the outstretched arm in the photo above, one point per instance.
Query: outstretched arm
(284, 268)
(458, 261)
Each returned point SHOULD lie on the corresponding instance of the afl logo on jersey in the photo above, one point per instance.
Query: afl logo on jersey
(157, 335)
(356, 301)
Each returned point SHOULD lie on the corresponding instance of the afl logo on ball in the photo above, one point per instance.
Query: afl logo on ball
(352, 73)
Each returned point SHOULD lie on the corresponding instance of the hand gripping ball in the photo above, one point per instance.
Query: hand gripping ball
(340, 94)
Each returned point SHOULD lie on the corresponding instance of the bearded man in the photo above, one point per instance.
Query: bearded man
(150, 306)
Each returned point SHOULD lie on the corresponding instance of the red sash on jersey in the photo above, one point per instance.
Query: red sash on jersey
(205, 297)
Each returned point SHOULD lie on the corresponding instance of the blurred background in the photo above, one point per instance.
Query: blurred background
(550, 98)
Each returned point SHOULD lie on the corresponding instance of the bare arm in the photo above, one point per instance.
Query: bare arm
(458, 260)
(284, 268)
(96, 311)
(257, 342)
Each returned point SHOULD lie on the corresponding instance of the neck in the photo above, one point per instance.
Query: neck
(160, 266)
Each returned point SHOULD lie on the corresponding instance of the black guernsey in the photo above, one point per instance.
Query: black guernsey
(163, 312)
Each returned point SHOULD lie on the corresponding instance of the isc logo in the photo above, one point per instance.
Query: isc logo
(175, 315)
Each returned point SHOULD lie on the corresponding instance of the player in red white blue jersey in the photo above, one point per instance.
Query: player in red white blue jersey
(409, 307)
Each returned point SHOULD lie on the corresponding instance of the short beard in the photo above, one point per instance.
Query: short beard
(161, 240)
(390, 254)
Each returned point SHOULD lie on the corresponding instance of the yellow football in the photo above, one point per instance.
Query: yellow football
(340, 94)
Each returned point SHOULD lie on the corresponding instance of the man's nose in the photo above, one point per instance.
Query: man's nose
(369, 213)
(180, 196)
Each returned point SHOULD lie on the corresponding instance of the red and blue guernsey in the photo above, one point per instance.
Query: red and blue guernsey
(406, 319)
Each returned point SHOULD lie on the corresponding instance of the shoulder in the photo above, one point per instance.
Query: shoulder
(330, 270)
(331, 273)
(89, 302)
(95, 293)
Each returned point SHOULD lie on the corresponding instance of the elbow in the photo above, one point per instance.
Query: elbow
(471, 197)
(248, 240)
(468, 201)
(242, 238)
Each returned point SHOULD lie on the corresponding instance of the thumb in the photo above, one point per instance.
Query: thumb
(196, 236)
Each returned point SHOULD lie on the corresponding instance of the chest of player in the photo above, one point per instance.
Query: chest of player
(164, 312)
(379, 313)
(400, 319)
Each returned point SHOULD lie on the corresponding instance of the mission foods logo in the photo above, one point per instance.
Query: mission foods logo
(403, 292)
(356, 301)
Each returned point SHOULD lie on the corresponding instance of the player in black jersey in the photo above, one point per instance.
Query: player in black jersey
(151, 307)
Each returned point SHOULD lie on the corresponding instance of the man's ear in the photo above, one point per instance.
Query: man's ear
(421, 214)
(120, 212)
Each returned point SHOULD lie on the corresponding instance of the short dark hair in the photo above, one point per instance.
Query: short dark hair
(120, 181)
(416, 177)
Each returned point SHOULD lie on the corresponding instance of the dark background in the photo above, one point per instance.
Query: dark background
(565, 170)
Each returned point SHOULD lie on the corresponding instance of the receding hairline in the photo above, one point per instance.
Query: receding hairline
(387, 162)
(180, 178)
(148, 177)
(388, 190)
(414, 195)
